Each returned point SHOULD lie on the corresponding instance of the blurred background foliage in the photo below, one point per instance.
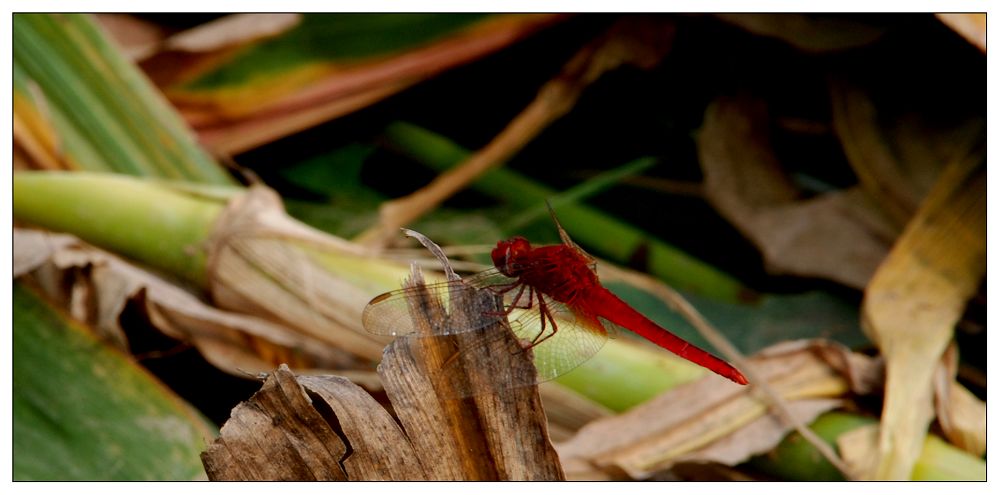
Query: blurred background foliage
(704, 163)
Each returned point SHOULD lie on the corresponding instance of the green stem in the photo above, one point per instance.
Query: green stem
(608, 236)
(144, 220)
(797, 460)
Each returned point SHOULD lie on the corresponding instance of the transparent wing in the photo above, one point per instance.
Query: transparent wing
(389, 313)
(575, 338)
(558, 338)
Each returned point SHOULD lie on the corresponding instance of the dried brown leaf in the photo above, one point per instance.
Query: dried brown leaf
(236, 29)
(232, 122)
(915, 299)
(138, 38)
(760, 435)
(263, 263)
(379, 448)
(838, 235)
(311, 428)
(939, 461)
(474, 424)
(455, 427)
(897, 157)
(963, 419)
(961, 414)
(859, 447)
(96, 286)
(276, 435)
(711, 421)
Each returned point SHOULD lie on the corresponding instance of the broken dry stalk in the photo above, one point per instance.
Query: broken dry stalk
(473, 423)
(914, 300)
(635, 40)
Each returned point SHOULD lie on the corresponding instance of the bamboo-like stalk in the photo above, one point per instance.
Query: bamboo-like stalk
(796, 460)
(146, 221)
(639, 41)
(622, 375)
(163, 226)
(606, 235)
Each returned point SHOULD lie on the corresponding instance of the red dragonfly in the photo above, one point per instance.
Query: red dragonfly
(554, 303)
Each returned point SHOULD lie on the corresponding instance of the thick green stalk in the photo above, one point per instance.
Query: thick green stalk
(942, 461)
(797, 460)
(604, 234)
(165, 227)
(580, 192)
(144, 220)
(625, 373)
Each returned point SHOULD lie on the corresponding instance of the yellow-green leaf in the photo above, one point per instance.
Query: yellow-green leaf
(84, 411)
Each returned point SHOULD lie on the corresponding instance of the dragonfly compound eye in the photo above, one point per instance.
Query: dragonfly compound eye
(506, 254)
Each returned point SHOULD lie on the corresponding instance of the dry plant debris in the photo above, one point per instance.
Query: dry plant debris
(720, 422)
(444, 432)
(914, 301)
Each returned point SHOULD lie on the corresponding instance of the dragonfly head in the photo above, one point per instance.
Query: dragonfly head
(507, 253)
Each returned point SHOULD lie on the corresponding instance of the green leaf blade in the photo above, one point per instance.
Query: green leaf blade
(83, 411)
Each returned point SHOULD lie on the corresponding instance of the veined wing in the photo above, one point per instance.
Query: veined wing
(558, 345)
(576, 339)
(577, 336)
(390, 313)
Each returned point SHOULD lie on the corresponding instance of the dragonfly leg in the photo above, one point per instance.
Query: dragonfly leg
(546, 315)
(503, 289)
(514, 303)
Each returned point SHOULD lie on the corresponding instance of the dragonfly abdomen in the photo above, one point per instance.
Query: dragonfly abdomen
(617, 311)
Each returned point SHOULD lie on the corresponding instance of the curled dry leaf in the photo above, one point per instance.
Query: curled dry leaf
(188, 54)
(255, 444)
(493, 431)
(263, 263)
(234, 120)
(493, 434)
(809, 32)
(961, 414)
(231, 30)
(859, 448)
(311, 428)
(96, 286)
(838, 235)
(708, 420)
(897, 157)
(138, 38)
(916, 297)
(940, 461)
